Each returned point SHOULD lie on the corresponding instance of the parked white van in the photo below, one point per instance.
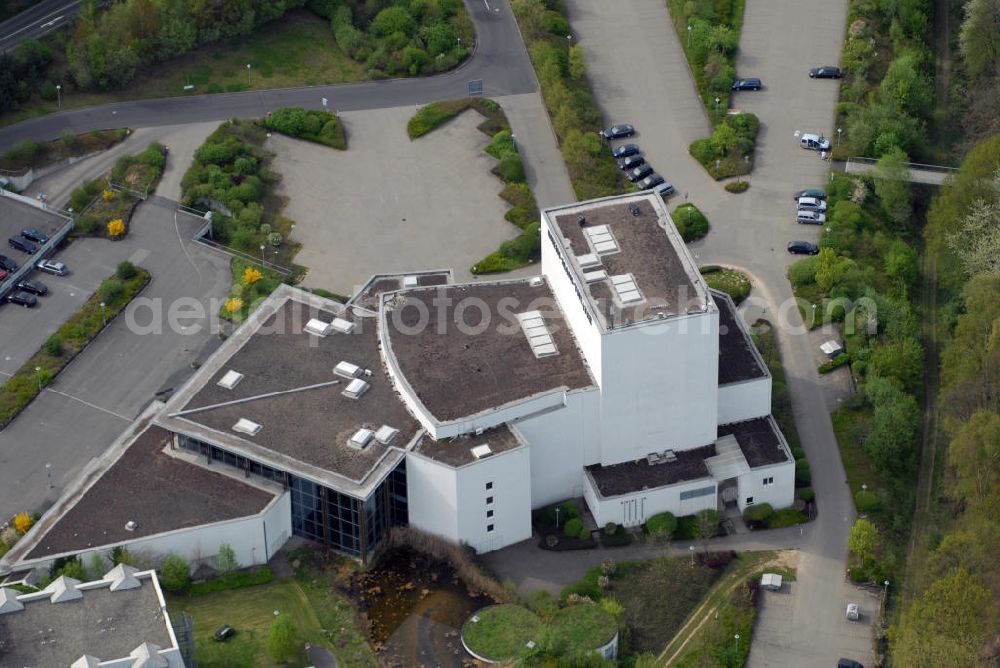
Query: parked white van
(807, 217)
(812, 203)
(814, 142)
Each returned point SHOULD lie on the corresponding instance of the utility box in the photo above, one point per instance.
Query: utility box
(770, 581)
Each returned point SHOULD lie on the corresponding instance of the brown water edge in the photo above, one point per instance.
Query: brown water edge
(415, 606)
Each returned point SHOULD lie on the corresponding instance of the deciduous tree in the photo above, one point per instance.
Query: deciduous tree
(863, 539)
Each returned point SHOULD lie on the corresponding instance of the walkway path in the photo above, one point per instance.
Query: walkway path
(926, 174)
(499, 61)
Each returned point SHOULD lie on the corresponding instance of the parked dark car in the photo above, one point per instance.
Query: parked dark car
(625, 150)
(618, 131)
(665, 189)
(631, 162)
(750, 83)
(34, 287)
(650, 181)
(810, 192)
(51, 267)
(34, 235)
(825, 72)
(22, 244)
(849, 663)
(7, 263)
(802, 248)
(640, 172)
(224, 633)
(22, 299)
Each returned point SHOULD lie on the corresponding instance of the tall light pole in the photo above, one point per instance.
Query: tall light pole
(104, 315)
(737, 639)
(38, 377)
(689, 35)
(59, 94)
(839, 130)
(691, 550)
(48, 472)
(262, 256)
(248, 75)
(569, 41)
(717, 105)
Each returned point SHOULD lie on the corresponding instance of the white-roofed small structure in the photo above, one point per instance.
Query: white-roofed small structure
(729, 461)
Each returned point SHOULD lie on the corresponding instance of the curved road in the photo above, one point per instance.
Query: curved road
(502, 69)
(36, 21)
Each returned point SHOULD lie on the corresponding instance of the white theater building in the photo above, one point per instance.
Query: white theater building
(616, 376)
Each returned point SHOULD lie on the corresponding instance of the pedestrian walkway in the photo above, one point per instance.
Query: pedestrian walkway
(918, 173)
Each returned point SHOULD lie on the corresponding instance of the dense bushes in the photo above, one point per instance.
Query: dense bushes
(729, 151)
(575, 115)
(312, 125)
(403, 37)
(661, 525)
(757, 515)
(22, 73)
(28, 153)
(690, 222)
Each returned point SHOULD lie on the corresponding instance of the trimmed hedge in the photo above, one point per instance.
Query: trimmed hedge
(806, 494)
(758, 515)
(803, 475)
(737, 186)
(786, 517)
(837, 362)
(618, 537)
(661, 524)
(233, 581)
(690, 222)
(313, 125)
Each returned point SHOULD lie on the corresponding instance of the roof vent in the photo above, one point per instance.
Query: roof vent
(318, 327)
(633, 207)
(481, 451)
(231, 379)
(245, 426)
(541, 342)
(385, 434)
(588, 261)
(594, 276)
(536, 281)
(347, 370)
(342, 326)
(668, 456)
(602, 240)
(626, 288)
(410, 281)
(361, 438)
(581, 221)
(130, 525)
(355, 389)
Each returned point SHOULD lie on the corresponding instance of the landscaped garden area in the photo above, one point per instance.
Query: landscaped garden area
(31, 154)
(734, 283)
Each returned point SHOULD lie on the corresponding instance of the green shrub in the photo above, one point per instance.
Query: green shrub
(54, 346)
(175, 574)
(837, 362)
(126, 270)
(232, 581)
(803, 476)
(758, 514)
(806, 494)
(24, 149)
(661, 524)
(111, 291)
(434, 115)
(313, 125)
(786, 517)
(734, 283)
(737, 186)
(573, 528)
(803, 272)
(690, 222)
(511, 168)
(866, 502)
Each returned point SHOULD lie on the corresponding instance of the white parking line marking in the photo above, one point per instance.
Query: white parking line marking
(88, 404)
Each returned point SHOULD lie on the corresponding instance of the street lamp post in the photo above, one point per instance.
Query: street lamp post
(691, 550)
(48, 473)
(38, 377)
(737, 639)
(839, 130)
(885, 593)
(262, 256)
(59, 94)
(689, 35)
(557, 517)
(569, 41)
(717, 105)
(248, 74)
(104, 315)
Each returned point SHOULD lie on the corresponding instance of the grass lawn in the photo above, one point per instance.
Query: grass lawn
(296, 50)
(319, 616)
(502, 631)
(583, 626)
(658, 595)
(734, 283)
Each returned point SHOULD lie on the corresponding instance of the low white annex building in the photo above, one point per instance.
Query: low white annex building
(616, 375)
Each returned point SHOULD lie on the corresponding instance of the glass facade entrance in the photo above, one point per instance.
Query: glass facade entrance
(322, 514)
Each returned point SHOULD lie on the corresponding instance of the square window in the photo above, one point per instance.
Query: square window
(489, 527)
(489, 513)
(749, 500)
(489, 500)
(489, 485)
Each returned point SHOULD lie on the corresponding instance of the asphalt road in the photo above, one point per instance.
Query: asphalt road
(37, 21)
(503, 69)
(96, 397)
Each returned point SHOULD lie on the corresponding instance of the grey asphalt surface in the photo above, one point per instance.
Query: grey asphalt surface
(36, 21)
(95, 398)
(503, 70)
(749, 231)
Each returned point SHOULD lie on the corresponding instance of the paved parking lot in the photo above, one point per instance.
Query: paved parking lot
(389, 204)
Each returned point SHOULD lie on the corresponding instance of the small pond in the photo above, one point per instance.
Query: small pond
(416, 607)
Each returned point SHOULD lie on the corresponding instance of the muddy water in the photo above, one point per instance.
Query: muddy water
(416, 608)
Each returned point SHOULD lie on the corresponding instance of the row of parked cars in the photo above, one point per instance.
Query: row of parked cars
(633, 163)
(811, 204)
(26, 292)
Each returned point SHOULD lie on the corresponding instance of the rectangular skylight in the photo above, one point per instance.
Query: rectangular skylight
(231, 379)
(481, 451)
(361, 437)
(588, 261)
(245, 426)
(342, 326)
(626, 288)
(355, 389)
(410, 281)
(317, 327)
(541, 341)
(594, 276)
(601, 239)
(385, 434)
(347, 370)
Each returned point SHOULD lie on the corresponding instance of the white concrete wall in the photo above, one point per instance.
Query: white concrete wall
(660, 387)
(451, 502)
(561, 443)
(588, 335)
(780, 494)
(634, 509)
(431, 491)
(744, 401)
(510, 475)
